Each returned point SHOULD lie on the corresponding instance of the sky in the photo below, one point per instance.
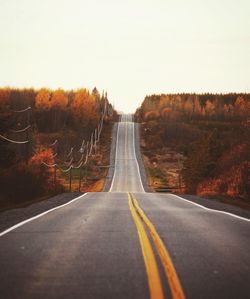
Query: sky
(129, 48)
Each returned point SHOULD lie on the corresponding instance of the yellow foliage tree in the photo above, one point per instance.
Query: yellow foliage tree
(84, 107)
(43, 99)
(59, 99)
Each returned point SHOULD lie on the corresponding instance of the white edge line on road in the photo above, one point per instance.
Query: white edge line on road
(38, 216)
(136, 157)
(212, 210)
(116, 146)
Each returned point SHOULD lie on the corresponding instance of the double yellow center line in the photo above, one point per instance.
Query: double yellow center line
(154, 281)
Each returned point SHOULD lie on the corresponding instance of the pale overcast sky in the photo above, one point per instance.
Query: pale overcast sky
(128, 47)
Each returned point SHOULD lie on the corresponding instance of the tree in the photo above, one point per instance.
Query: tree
(201, 160)
(59, 100)
(197, 105)
(209, 108)
(240, 106)
(164, 101)
(189, 107)
(96, 94)
(43, 99)
(84, 108)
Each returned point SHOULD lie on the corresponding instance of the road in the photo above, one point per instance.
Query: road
(127, 174)
(127, 243)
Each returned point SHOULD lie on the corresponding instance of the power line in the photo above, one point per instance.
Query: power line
(53, 144)
(94, 139)
(23, 110)
(21, 130)
(14, 141)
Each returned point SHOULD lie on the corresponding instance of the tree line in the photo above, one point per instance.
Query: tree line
(195, 106)
(213, 133)
(42, 117)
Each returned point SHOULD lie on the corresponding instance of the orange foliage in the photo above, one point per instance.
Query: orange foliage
(96, 187)
(84, 107)
(233, 183)
(42, 173)
(151, 115)
(59, 99)
(241, 106)
(42, 101)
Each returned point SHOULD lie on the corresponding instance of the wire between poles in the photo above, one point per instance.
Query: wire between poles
(23, 110)
(14, 141)
(22, 130)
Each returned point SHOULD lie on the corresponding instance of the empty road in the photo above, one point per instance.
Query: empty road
(127, 243)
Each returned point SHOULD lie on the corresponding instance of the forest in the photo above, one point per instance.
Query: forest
(205, 138)
(52, 141)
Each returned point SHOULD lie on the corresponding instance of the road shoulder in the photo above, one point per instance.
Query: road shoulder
(217, 205)
(12, 217)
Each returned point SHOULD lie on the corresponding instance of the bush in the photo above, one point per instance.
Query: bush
(24, 182)
(43, 176)
(233, 183)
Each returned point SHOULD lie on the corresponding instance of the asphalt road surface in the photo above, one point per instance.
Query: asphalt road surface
(127, 243)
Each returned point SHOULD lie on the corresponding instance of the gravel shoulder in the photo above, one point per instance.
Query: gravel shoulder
(111, 171)
(139, 159)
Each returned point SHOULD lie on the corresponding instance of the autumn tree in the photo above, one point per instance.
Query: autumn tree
(209, 108)
(197, 105)
(240, 107)
(42, 110)
(84, 108)
(59, 102)
(189, 107)
(59, 99)
(164, 101)
(43, 99)
(96, 95)
(201, 160)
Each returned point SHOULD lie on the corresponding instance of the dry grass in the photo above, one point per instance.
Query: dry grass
(96, 187)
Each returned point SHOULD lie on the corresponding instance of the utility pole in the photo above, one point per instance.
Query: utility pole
(70, 178)
(80, 179)
(27, 136)
(55, 178)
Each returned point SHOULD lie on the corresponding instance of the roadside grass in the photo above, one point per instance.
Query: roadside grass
(156, 178)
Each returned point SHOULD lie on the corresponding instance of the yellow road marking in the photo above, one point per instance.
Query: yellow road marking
(154, 282)
(173, 280)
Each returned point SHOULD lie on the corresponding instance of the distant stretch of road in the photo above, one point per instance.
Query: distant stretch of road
(127, 243)
(127, 175)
